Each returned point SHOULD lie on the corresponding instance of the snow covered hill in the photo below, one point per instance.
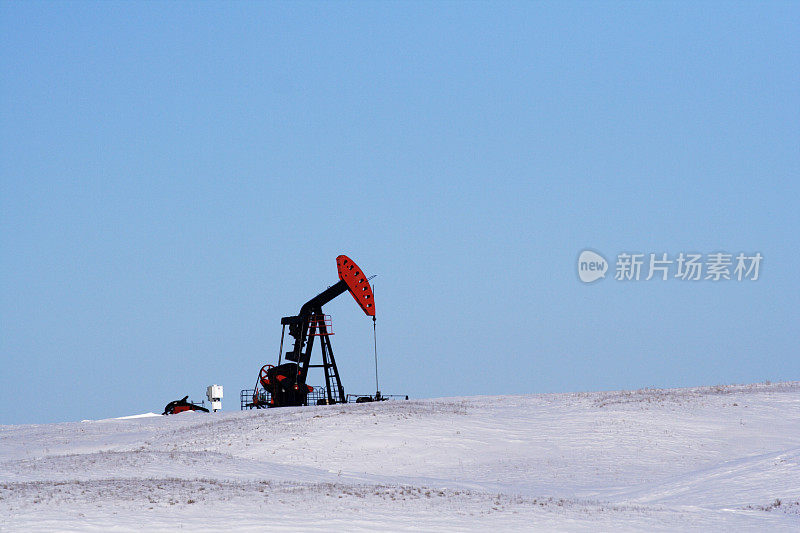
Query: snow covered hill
(725, 457)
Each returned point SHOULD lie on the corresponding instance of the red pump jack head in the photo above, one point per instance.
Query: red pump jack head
(357, 284)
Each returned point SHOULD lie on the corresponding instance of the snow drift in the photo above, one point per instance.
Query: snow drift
(682, 459)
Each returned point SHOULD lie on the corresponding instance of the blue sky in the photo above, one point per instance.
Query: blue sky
(175, 177)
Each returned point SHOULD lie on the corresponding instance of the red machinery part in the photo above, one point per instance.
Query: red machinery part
(262, 376)
(356, 283)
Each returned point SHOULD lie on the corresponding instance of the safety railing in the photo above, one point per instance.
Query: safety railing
(319, 325)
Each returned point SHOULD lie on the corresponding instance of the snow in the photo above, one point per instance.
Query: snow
(143, 415)
(656, 460)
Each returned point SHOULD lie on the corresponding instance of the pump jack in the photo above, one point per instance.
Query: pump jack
(285, 384)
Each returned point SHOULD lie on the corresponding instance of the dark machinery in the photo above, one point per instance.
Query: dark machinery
(179, 406)
(285, 384)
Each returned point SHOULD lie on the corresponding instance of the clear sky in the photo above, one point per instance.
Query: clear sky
(176, 177)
